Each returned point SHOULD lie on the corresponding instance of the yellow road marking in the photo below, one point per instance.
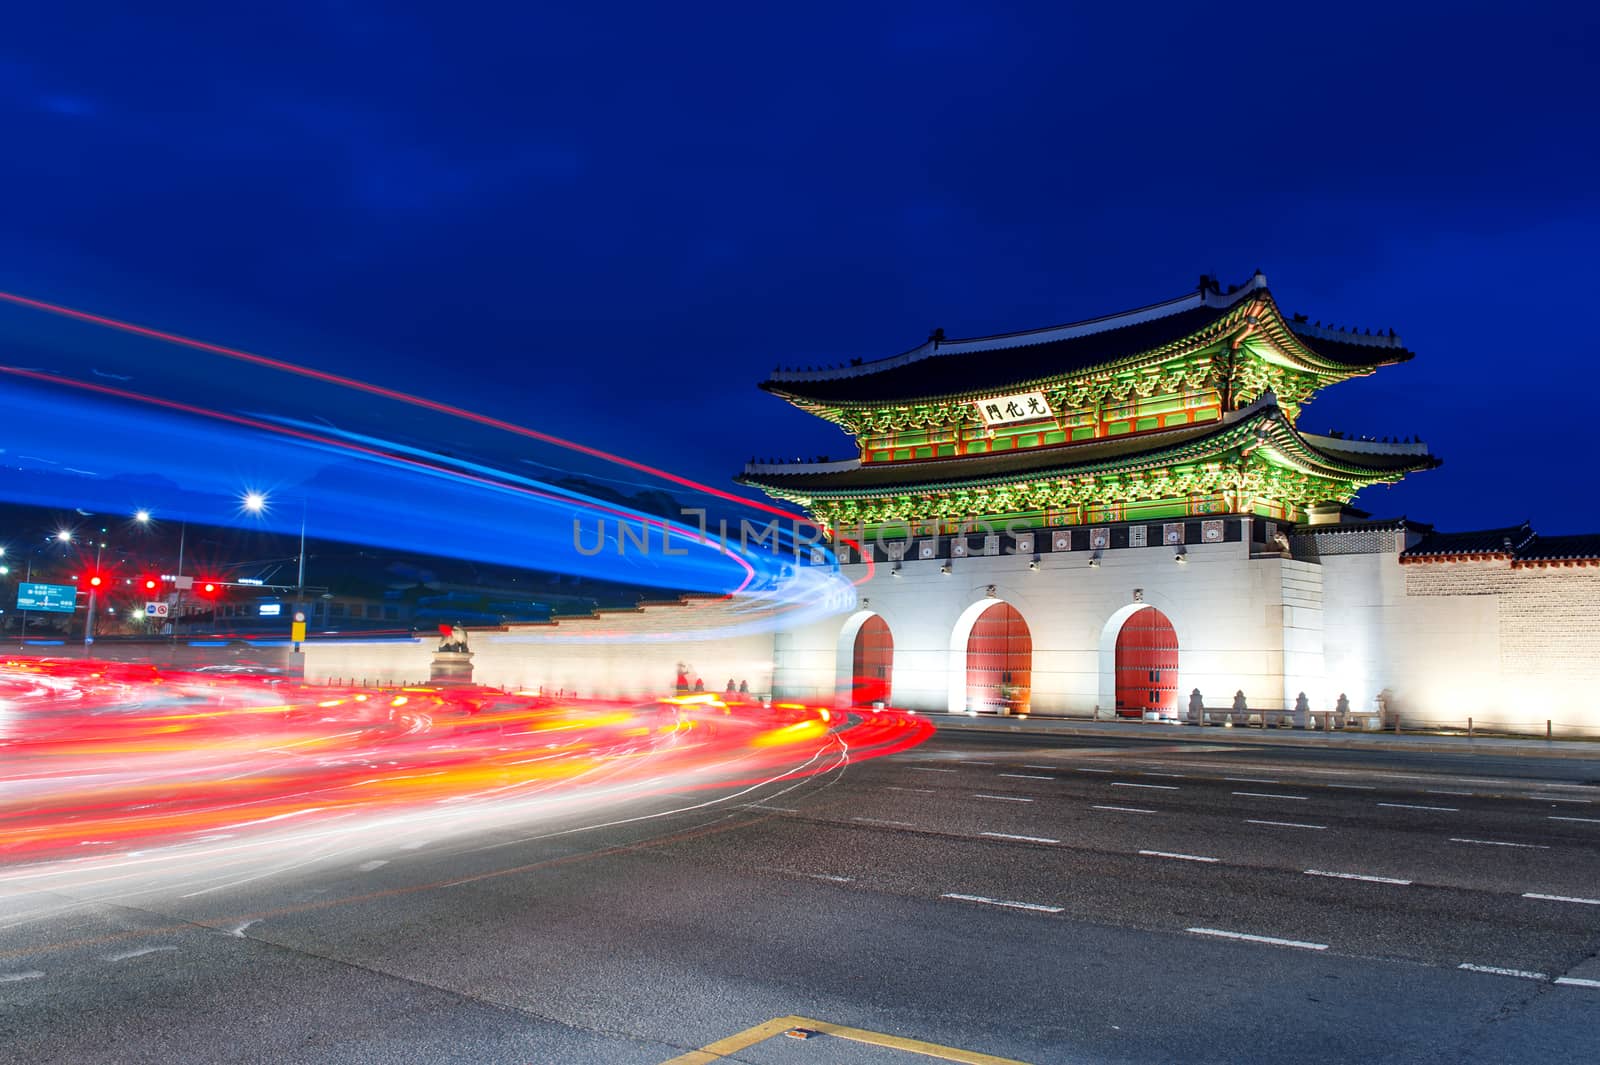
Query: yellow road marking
(713, 1052)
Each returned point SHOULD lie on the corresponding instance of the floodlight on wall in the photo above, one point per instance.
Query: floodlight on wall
(945, 569)
(1033, 565)
(896, 571)
(1094, 562)
(1181, 558)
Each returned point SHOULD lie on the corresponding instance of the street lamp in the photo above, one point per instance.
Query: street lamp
(142, 517)
(254, 502)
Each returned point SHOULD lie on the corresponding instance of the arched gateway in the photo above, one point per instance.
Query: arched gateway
(999, 661)
(1147, 665)
(872, 667)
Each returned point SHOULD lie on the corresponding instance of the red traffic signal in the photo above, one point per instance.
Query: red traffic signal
(210, 588)
(94, 580)
(151, 584)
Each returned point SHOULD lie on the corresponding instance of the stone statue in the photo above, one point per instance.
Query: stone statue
(453, 638)
(1302, 711)
(1197, 708)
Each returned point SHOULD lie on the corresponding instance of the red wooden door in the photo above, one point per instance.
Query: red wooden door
(873, 669)
(1147, 665)
(999, 661)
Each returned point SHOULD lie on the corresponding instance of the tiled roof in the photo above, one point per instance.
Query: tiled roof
(1504, 543)
(952, 367)
(1585, 546)
(1121, 452)
(990, 369)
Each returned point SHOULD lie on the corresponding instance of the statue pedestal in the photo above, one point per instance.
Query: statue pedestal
(451, 667)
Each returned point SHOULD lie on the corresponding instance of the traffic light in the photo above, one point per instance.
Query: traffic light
(209, 588)
(150, 584)
(94, 580)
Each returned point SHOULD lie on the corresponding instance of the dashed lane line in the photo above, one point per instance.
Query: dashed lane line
(1409, 806)
(1585, 820)
(1352, 787)
(1249, 938)
(1000, 798)
(1495, 970)
(1249, 780)
(1180, 857)
(1433, 791)
(1368, 877)
(1033, 907)
(1020, 839)
(919, 791)
(1282, 824)
(1124, 809)
(831, 878)
(1027, 776)
(1500, 843)
(1560, 898)
(880, 821)
(931, 769)
(1574, 981)
(1158, 787)
(1088, 769)
(1562, 798)
(1267, 795)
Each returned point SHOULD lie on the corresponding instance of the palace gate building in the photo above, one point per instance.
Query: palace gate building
(1103, 517)
(1100, 519)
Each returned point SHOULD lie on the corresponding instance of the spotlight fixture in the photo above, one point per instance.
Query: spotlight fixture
(1033, 565)
(1094, 563)
(1181, 559)
(895, 572)
(945, 569)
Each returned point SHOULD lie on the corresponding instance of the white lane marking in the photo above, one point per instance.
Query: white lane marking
(125, 955)
(1179, 857)
(919, 791)
(1265, 795)
(1562, 798)
(1086, 769)
(1495, 970)
(965, 762)
(1024, 839)
(771, 809)
(1408, 806)
(830, 876)
(1573, 981)
(1585, 820)
(1560, 898)
(1025, 765)
(1027, 776)
(1577, 787)
(1247, 937)
(1123, 809)
(930, 769)
(1500, 843)
(1249, 780)
(1032, 906)
(1158, 787)
(1358, 876)
(1431, 791)
(11, 978)
(237, 931)
(376, 863)
(1281, 824)
(879, 821)
(1000, 798)
(1353, 787)
(1174, 776)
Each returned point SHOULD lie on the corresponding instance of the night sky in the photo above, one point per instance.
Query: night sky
(610, 222)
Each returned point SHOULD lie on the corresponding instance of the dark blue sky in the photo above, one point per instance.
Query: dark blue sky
(610, 223)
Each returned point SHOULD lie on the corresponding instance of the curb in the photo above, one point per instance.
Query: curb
(1488, 745)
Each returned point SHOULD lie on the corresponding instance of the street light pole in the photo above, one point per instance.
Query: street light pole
(88, 621)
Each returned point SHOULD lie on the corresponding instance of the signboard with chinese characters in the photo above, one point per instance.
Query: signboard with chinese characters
(50, 598)
(1022, 407)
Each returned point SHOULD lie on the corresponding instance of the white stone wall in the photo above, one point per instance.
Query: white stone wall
(1227, 609)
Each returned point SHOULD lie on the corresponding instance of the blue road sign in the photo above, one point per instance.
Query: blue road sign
(50, 598)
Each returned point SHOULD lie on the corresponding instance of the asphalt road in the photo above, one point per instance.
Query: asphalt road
(1044, 899)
